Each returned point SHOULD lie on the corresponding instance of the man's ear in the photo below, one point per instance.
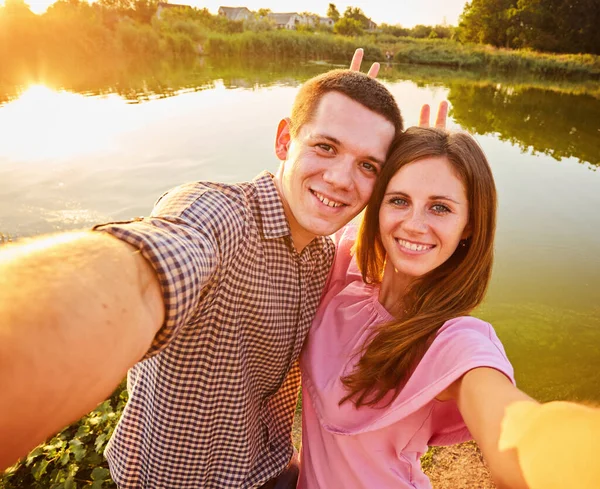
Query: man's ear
(283, 139)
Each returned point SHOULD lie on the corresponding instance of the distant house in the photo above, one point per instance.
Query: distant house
(326, 21)
(235, 13)
(288, 20)
(162, 6)
(371, 26)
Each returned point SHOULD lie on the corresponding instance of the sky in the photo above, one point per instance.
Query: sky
(407, 13)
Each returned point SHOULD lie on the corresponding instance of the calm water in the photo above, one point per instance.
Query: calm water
(105, 148)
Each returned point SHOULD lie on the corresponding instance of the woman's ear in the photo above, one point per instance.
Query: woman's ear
(283, 139)
(466, 234)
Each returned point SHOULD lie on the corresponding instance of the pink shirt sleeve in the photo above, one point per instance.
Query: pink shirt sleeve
(462, 345)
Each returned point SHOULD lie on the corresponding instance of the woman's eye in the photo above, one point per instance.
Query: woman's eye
(397, 201)
(440, 209)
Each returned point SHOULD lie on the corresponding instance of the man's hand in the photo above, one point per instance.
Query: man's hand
(440, 121)
(357, 61)
(442, 115)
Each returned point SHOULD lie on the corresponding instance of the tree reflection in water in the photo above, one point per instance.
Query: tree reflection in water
(557, 124)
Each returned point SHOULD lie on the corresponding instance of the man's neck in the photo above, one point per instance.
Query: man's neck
(300, 237)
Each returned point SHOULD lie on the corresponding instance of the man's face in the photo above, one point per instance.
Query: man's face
(330, 167)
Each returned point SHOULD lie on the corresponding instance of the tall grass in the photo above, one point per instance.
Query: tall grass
(287, 45)
(444, 52)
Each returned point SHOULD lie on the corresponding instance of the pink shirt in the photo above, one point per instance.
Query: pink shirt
(344, 447)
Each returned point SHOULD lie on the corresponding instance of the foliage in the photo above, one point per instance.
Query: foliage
(76, 35)
(73, 458)
(348, 27)
(357, 14)
(285, 45)
(545, 25)
(473, 56)
(333, 13)
(259, 22)
(419, 31)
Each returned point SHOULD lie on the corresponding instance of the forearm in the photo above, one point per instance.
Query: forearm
(76, 311)
(484, 396)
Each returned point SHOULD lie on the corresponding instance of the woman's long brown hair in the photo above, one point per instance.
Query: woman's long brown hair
(453, 289)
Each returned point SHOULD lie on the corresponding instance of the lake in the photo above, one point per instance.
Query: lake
(77, 150)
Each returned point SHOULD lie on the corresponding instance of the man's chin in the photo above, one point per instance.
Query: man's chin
(326, 229)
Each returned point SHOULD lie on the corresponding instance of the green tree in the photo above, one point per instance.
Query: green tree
(348, 27)
(488, 22)
(420, 31)
(263, 12)
(357, 14)
(333, 13)
(558, 25)
(394, 30)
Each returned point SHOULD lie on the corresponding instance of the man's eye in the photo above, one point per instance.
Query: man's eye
(370, 167)
(325, 147)
(440, 209)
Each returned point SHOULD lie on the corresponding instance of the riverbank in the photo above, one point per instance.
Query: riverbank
(126, 44)
(433, 52)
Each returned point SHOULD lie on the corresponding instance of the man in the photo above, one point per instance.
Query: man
(208, 301)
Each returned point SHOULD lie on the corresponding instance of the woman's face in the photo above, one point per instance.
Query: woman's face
(423, 217)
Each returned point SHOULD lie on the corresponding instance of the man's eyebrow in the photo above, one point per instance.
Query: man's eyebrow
(433, 197)
(339, 143)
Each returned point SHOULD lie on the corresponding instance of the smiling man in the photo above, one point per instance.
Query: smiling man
(206, 302)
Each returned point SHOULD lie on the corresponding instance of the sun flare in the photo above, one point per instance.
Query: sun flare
(43, 124)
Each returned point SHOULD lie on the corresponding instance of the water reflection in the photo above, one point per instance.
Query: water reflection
(70, 161)
(557, 118)
(542, 121)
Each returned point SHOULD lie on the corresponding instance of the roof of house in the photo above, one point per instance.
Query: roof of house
(235, 13)
(282, 18)
(172, 5)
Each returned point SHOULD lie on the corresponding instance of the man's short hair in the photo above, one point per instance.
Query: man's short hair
(359, 87)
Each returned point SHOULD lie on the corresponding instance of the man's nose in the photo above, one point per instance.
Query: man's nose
(339, 173)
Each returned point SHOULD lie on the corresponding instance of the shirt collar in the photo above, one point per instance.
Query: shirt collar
(272, 215)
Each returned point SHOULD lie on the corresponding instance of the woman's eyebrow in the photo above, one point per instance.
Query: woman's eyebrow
(432, 197)
(444, 197)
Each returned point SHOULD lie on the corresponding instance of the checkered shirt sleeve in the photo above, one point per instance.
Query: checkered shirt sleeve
(184, 240)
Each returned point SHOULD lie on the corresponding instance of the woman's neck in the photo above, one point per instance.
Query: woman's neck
(392, 290)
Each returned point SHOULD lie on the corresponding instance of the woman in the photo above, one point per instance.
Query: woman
(394, 362)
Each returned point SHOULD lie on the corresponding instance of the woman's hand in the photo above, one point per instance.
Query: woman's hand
(440, 120)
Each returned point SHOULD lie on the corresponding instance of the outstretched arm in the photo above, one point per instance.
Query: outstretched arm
(482, 395)
(527, 444)
(76, 311)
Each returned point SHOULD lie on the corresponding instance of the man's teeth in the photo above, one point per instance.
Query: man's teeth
(414, 246)
(326, 201)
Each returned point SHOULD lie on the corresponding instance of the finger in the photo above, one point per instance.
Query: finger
(356, 60)
(374, 70)
(442, 115)
(424, 117)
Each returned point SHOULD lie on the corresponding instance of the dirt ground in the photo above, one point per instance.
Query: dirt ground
(456, 467)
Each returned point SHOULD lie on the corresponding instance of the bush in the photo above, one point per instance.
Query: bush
(73, 458)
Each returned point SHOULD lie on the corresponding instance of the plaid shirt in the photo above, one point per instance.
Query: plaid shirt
(212, 403)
